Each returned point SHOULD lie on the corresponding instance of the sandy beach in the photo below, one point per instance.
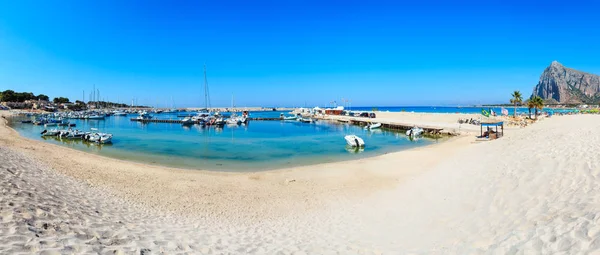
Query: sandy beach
(534, 191)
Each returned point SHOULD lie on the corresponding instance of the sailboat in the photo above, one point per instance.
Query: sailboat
(206, 92)
(234, 119)
(172, 110)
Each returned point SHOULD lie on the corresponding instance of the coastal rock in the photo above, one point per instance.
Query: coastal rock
(564, 85)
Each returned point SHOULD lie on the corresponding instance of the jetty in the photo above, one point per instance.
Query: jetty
(397, 126)
(176, 121)
(390, 124)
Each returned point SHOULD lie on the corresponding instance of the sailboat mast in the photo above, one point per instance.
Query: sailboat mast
(206, 92)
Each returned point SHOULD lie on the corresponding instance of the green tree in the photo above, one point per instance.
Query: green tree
(8, 96)
(60, 100)
(516, 99)
(43, 97)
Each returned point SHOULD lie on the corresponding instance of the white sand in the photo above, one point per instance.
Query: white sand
(534, 191)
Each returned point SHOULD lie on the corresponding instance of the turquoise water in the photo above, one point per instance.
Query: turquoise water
(260, 145)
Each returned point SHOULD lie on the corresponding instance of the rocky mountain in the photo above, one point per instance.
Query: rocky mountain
(568, 86)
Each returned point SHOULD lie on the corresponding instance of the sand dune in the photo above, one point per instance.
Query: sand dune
(535, 191)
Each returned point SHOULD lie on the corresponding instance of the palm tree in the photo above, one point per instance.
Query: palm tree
(536, 103)
(530, 105)
(516, 99)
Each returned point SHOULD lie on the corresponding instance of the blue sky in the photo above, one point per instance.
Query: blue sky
(288, 53)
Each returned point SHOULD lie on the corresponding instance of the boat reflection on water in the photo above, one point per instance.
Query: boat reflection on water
(354, 149)
(73, 142)
(374, 132)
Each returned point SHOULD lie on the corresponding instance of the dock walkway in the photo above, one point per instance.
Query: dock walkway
(177, 121)
(394, 124)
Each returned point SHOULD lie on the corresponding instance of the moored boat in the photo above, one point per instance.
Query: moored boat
(415, 131)
(97, 137)
(50, 132)
(144, 116)
(354, 141)
(95, 117)
(373, 126)
(187, 121)
(119, 113)
(305, 120)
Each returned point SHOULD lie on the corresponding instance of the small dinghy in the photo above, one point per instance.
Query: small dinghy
(373, 126)
(354, 141)
(416, 131)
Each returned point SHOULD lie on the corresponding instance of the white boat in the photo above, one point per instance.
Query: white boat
(98, 137)
(187, 121)
(50, 124)
(373, 126)
(144, 116)
(95, 117)
(74, 134)
(305, 120)
(416, 131)
(50, 132)
(119, 113)
(354, 141)
(233, 121)
(290, 118)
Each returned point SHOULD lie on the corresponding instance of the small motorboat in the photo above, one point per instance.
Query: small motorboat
(144, 116)
(100, 138)
(289, 118)
(97, 137)
(187, 121)
(74, 134)
(305, 120)
(415, 131)
(373, 126)
(354, 141)
(50, 132)
(50, 124)
(95, 117)
(219, 122)
(233, 121)
(26, 121)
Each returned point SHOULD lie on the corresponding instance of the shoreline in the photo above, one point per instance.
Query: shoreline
(520, 193)
(120, 177)
(255, 169)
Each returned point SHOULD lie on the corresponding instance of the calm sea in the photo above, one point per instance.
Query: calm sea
(260, 145)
